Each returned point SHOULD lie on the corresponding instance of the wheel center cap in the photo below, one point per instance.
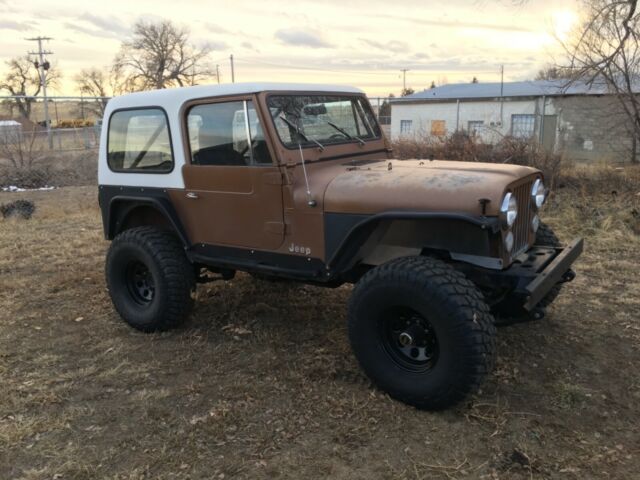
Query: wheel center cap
(405, 339)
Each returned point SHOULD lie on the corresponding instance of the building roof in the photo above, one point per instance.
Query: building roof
(533, 88)
(180, 95)
(9, 123)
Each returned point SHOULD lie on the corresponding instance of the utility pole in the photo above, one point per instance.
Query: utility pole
(42, 65)
(218, 73)
(233, 73)
(501, 94)
(404, 79)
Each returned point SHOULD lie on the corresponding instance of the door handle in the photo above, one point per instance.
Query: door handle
(192, 195)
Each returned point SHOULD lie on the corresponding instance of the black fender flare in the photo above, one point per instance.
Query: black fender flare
(116, 204)
(346, 233)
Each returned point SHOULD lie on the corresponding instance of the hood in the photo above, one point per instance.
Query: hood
(422, 185)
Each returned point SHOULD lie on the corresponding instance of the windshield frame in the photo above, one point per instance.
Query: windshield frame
(311, 144)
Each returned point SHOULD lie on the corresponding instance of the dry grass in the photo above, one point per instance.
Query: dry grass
(262, 384)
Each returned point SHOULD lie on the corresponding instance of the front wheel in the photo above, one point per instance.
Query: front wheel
(150, 279)
(421, 331)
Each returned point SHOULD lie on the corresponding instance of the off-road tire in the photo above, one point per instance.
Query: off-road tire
(168, 268)
(546, 237)
(456, 310)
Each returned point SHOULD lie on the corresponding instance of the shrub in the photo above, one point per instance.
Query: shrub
(462, 146)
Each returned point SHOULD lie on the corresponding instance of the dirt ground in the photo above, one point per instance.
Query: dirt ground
(261, 382)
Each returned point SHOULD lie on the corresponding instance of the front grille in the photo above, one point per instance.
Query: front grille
(522, 228)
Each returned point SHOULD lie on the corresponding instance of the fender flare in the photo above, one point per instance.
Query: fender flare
(116, 207)
(356, 229)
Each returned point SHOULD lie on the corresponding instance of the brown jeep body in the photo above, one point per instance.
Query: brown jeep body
(238, 196)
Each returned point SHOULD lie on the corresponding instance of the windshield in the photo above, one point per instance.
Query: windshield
(324, 119)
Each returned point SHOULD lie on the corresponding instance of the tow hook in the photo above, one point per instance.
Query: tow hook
(568, 276)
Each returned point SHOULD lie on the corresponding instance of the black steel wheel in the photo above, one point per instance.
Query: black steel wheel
(409, 339)
(150, 279)
(421, 331)
(140, 282)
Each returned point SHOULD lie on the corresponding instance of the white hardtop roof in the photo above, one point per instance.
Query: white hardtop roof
(183, 94)
(9, 123)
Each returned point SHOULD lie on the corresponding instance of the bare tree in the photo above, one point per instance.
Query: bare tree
(23, 80)
(554, 72)
(605, 54)
(93, 83)
(160, 55)
(22, 149)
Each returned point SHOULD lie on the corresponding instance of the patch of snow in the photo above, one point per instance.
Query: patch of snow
(13, 188)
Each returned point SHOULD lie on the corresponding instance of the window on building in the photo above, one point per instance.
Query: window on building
(523, 126)
(475, 127)
(438, 128)
(138, 141)
(405, 126)
(219, 135)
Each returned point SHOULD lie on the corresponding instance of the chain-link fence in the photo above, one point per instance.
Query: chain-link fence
(32, 156)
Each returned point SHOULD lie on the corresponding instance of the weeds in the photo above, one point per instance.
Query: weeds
(470, 148)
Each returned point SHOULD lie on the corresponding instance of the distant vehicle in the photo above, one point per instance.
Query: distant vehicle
(297, 182)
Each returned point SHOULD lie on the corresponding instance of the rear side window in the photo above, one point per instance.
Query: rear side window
(139, 141)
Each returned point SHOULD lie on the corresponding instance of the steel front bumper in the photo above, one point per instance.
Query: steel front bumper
(539, 269)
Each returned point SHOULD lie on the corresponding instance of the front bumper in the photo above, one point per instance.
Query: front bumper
(520, 288)
(535, 272)
(556, 271)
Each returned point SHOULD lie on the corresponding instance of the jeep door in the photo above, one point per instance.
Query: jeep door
(233, 186)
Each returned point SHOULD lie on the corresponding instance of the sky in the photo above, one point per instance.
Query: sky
(364, 43)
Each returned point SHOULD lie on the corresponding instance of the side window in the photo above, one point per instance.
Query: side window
(522, 125)
(405, 127)
(139, 141)
(219, 134)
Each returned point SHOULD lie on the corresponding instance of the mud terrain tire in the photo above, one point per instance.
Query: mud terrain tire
(546, 237)
(441, 303)
(150, 279)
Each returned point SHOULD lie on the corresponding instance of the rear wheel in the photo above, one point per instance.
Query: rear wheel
(150, 279)
(421, 331)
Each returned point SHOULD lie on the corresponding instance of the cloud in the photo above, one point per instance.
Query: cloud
(92, 32)
(391, 46)
(108, 24)
(457, 24)
(19, 26)
(301, 38)
(213, 45)
(213, 28)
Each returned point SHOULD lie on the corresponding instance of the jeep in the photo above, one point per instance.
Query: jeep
(297, 182)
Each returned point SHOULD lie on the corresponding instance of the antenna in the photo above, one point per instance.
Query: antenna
(310, 201)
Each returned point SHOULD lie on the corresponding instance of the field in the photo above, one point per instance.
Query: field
(261, 382)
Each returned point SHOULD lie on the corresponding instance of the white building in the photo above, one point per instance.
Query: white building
(10, 130)
(583, 121)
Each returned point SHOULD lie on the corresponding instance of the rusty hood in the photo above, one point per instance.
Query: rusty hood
(422, 185)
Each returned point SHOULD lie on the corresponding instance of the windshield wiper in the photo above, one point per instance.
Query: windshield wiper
(304, 137)
(344, 132)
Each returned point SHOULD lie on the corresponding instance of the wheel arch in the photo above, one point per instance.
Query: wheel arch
(121, 212)
(350, 238)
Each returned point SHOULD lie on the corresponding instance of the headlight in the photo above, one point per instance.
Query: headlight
(538, 193)
(508, 241)
(509, 210)
(535, 223)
